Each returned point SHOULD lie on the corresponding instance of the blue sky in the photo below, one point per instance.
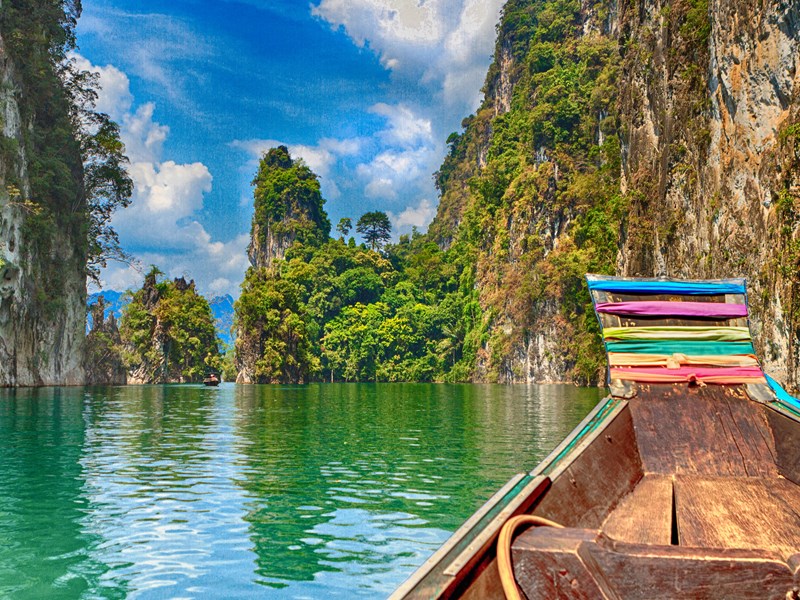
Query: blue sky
(365, 91)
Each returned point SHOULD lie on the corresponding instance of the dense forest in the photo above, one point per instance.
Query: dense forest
(167, 333)
(323, 308)
(635, 138)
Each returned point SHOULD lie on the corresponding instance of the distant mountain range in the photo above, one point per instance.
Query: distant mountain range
(221, 308)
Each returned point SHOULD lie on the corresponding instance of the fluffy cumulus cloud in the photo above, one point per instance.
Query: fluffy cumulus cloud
(161, 225)
(438, 52)
(414, 216)
(319, 158)
(445, 44)
(400, 173)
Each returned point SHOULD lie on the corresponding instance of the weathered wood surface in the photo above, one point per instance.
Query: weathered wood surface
(588, 489)
(696, 491)
(547, 565)
(714, 431)
(645, 515)
(576, 564)
(643, 572)
(752, 513)
(787, 445)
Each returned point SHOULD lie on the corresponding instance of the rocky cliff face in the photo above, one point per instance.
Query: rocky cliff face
(288, 208)
(710, 99)
(288, 211)
(644, 138)
(168, 333)
(41, 333)
(531, 187)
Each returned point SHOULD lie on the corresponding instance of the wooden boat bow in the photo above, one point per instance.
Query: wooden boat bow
(683, 483)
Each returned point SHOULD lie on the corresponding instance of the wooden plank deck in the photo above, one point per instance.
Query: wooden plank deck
(645, 515)
(748, 513)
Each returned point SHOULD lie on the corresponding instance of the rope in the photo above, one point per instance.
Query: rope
(504, 565)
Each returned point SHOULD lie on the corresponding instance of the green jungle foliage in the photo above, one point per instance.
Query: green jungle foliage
(457, 303)
(168, 329)
(288, 202)
(552, 164)
(333, 310)
(343, 312)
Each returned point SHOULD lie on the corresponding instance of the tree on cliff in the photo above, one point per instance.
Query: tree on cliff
(344, 226)
(168, 329)
(376, 228)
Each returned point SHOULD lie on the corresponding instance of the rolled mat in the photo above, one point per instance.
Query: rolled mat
(680, 346)
(719, 375)
(673, 361)
(692, 288)
(706, 310)
(666, 332)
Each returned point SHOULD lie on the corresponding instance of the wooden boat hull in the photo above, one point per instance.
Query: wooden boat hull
(708, 507)
(665, 490)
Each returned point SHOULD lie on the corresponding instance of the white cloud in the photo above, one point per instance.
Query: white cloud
(407, 158)
(161, 226)
(116, 98)
(446, 44)
(463, 62)
(405, 128)
(386, 24)
(319, 158)
(143, 137)
(414, 216)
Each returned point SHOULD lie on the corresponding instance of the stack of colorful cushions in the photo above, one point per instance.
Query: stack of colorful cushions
(697, 350)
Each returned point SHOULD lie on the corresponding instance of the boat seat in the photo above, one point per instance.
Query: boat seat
(738, 512)
(645, 515)
(576, 563)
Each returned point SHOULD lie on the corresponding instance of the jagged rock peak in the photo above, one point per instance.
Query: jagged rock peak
(288, 208)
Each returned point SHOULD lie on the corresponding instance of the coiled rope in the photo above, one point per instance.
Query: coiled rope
(504, 565)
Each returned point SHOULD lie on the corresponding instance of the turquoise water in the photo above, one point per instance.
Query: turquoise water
(318, 491)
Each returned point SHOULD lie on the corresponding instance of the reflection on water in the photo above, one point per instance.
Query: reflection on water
(268, 491)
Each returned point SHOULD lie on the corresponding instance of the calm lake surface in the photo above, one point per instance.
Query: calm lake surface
(318, 491)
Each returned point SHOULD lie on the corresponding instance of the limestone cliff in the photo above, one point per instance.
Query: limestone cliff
(710, 97)
(288, 208)
(643, 138)
(531, 188)
(42, 246)
(289, 212)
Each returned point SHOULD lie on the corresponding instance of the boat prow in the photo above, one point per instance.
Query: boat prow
(683, 483)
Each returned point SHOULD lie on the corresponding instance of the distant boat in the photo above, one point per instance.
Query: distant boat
(683, 483)
(211, 380)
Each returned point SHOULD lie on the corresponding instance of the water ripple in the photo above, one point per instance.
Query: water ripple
(259, 491)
